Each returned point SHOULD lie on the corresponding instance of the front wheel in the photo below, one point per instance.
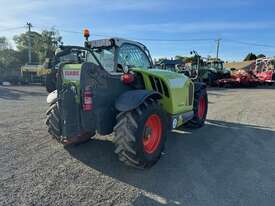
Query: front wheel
(50, 82)
(140, 135)
(200, 108)
(53, 121)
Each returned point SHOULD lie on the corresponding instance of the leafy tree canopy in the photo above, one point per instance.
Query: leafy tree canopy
(43, 44)
(4, 43)
(261, 56)
(250, 57)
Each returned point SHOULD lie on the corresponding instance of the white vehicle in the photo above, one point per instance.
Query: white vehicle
(6, 83)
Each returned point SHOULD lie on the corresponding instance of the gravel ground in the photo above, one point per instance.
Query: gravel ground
(230, 161)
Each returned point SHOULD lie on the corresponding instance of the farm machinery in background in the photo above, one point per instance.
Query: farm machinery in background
(239, 78)
(28, 74)
(33, 74)
(260, 72)
(207, 70)
(265, 70)
(212, 71)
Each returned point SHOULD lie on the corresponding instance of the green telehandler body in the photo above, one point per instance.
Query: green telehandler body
(110, 86)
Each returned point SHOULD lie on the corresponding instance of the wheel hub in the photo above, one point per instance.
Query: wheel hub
(152, 133)
(201, 107)
(147, 133)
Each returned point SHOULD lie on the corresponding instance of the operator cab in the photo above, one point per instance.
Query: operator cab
(218, 65)
(118, 55)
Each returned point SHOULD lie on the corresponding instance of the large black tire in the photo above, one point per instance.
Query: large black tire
(50, 82)
(199, 115)
(212, 77)
(53, 121)
(130, 134)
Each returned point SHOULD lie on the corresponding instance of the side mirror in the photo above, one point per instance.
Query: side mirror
(47, 63)
(124, 68)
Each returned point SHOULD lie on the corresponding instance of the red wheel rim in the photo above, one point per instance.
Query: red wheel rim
(202, 107)
(152, 133)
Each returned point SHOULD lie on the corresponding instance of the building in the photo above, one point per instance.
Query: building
(170, 64)
(245, 65)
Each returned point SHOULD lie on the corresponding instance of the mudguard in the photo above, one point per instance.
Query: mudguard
(199, 85)
(52, 97)
(132, 99)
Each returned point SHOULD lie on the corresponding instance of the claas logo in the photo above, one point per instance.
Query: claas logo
(72, 73)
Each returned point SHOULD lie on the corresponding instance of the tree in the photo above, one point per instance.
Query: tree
(178, 57)
(250, 57)
(43, 44)
(4, 43)
(261, 56)
(10, 61)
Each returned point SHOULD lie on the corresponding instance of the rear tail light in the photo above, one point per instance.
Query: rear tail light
(127, 78)
(88, 99)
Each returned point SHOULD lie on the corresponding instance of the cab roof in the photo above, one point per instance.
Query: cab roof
(112, 41)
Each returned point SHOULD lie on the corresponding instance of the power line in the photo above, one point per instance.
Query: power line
(29, 25)
(159, 39)
(218, 48)
(173, 40)
(181, 40)
(178, 40)
(13, 28)
(249, 43)
(143, 39)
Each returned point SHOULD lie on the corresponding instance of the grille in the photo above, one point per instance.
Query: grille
(191, 93)
(159, 86)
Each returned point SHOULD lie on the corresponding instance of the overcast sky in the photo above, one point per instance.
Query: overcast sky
(233, 21)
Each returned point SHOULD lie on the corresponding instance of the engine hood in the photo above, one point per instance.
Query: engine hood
(179, 95)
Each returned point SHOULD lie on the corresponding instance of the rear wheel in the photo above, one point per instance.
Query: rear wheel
(50, 82)
(53, 121)
(200, 108)
(140, 135)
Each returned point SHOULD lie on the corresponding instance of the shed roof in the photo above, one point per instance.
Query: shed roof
(239, 65)
(171, 62)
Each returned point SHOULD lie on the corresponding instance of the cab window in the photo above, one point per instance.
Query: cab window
(132, 56)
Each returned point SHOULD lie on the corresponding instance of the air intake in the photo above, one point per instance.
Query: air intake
(159, 86)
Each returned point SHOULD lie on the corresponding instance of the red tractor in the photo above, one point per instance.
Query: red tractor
(240, 78)
(265, 70)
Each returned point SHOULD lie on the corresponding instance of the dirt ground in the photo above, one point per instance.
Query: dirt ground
(230, 161)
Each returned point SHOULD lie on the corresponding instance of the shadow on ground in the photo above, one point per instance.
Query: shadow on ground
(220, 164)
(10, 93)
(242, 87)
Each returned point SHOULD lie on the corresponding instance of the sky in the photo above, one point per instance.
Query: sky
(166, 27)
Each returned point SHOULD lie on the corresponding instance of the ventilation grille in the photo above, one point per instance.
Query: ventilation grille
(191, 93)
(159, 86)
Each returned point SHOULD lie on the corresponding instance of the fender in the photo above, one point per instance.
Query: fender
(199, 85)
(52, 97)
(132, 99)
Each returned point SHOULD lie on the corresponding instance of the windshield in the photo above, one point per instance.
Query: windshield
(73, 56)
(216, 65)
(133, 56)
(105, 56)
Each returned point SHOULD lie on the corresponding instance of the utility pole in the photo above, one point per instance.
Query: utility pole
(29, 25)
(218, 47)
